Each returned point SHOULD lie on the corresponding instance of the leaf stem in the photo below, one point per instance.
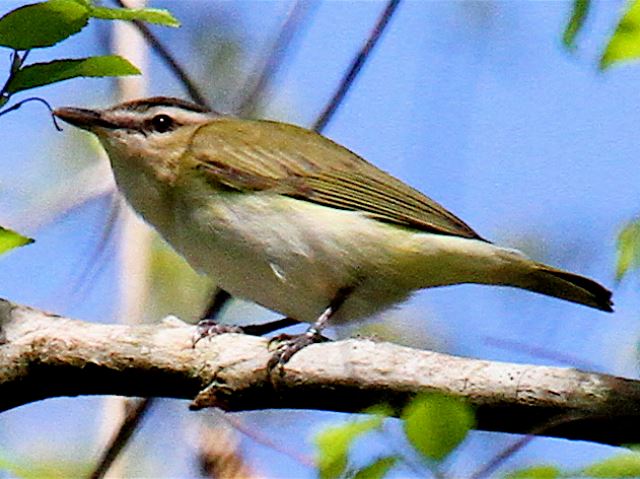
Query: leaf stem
(15, 106)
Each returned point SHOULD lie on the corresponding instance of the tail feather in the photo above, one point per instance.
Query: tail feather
(564, 285)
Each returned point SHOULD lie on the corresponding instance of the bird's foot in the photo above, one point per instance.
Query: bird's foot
(290, 344)
(208, 328)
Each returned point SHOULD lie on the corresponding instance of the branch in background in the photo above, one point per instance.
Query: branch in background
(538, 352)
(220, 456)
(44, 356)
(259, 438)
(257, 86)
(95, 265)
(171, 61)
(495, 462)
(132, 420)
(122, 416)
(94, 182)
(356, 66)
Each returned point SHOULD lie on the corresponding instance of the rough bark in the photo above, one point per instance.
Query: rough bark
(44, 355)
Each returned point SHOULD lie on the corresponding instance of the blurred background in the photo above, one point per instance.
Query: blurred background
(475, 103)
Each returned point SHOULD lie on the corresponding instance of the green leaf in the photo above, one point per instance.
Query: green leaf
(435, 424)
(377, 469)
(628, 249)
(535, 472)
(42, 24)
(150, 15)
(10, 239)
(622, 465)
(40, 74)
(576, 22)
(335, 442)
(624, 44)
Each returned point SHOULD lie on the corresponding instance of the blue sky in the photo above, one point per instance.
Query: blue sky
(474, 103)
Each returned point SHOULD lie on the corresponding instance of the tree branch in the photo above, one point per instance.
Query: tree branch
(44, 356)
(256, 85)
(356, 65)
(172, 62)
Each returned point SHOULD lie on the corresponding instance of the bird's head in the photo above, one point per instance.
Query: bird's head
(151, 133)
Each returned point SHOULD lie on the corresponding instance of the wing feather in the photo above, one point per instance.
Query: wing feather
(296, 162)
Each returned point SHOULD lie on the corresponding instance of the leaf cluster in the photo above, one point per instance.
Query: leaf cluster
(625, 465)
(433, 424)
(44, 24)
(623, 45)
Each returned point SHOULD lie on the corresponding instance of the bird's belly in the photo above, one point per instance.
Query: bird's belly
(289, 256)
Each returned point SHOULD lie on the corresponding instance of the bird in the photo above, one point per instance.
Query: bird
(287, 218)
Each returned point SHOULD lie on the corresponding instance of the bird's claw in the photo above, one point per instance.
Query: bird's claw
(288, 345)
(208, 328)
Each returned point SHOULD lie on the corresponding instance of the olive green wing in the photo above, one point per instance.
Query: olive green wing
(299, 163)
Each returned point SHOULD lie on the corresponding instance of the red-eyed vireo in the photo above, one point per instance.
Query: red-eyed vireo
(286, 218)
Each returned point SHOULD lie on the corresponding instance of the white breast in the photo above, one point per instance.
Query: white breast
(287, 255)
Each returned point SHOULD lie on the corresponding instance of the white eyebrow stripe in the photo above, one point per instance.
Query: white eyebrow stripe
(162, 101)
(137, 118)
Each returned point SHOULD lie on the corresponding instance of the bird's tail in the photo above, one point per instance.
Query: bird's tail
(561, 284)
(443, 260)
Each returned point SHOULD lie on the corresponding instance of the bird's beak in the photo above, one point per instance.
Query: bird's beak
(85, 119)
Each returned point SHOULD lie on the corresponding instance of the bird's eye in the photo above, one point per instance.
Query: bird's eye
(162, 123)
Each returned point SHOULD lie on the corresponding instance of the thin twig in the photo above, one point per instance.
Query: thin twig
(121, 438)
(220, 455)
(130, 424)
(97, 260)
(242, 428)
(16, 63)
(520, 443)
(16, 106)
(257, 86)
(90, 184)
(356, 66)
(193, 90)
(544, 353)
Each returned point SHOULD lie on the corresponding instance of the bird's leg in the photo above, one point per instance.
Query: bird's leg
(266, 328)
(291, 344)
(208, 325)
(219, 299)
